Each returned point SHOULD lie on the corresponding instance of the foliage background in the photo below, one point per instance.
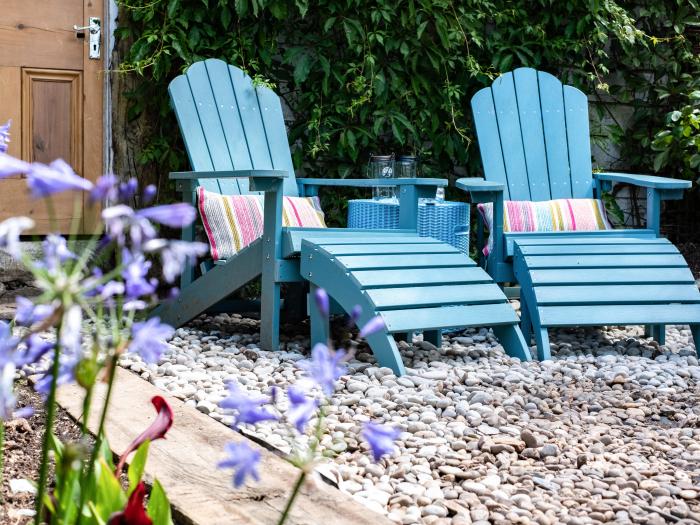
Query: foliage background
(362, 76)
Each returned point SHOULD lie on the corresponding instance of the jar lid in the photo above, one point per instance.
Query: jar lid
(380, 158)
(408, 158)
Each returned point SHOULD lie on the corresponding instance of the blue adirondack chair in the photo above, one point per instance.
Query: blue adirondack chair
(533, 134)
(237, 143)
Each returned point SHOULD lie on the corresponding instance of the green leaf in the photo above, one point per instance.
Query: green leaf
(137, 466)
(302, 68)
(159, 506)
(109, 496)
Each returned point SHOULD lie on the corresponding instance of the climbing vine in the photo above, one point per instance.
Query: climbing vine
(361, 76)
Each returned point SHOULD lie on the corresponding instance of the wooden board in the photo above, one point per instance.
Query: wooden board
(185, 463)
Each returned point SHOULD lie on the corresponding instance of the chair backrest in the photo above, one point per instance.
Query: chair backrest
(228, 124)
(533, 135)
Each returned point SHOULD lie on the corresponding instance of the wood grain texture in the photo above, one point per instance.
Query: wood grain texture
(40, 34)
(10, 91)
(185, 463)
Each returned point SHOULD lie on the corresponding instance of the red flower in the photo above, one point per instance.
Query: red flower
(134, 512)
(155, 430)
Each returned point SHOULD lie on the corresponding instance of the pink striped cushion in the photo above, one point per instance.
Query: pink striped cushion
(232, 222)
(547, 216)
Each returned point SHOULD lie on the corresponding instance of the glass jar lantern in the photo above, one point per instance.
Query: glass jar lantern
(407, 166)
(381, 167)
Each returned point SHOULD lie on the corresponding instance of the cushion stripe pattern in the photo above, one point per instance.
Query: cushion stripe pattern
(232, 222)
(562, 215)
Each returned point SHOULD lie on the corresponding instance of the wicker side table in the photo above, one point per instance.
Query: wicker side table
(444, 220)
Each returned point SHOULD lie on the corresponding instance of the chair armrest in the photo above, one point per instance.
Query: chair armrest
(477, 184)
(645, 181)
(370, 183)
(260, 180)
(481, 190)
(236, 174)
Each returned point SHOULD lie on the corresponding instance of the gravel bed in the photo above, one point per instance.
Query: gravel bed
(607, 431)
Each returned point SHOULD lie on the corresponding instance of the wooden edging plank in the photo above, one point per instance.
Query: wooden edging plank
(185, 464)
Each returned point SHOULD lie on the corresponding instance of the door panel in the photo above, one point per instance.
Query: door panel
(52, 116)
(53, 92)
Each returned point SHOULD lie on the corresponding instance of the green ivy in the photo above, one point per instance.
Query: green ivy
(362, 76)
(678, 145)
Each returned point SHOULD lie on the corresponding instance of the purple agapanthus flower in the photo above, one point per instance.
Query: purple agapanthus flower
(66, 373)
(9, 165)
(301, 408)
(128, 189)
(380, 438)
(174, 215)
(249, 409)
(10, 230)
(29, 313)
(56, 252)
(121, 221)
(57, 177)
(374, 325)
(322, 301)
(149, 193)
(148, 339)
(35, 349)
(243, 459)
(135, 274)
(105, 189)
(5, 136)
(176, 255)
(8, 401)
(324, 367)
(8, 343)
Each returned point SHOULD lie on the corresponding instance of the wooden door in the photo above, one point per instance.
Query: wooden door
(53, 92)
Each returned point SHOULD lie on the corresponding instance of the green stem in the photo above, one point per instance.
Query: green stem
(48, 430)
(86, 411)
(99, 436)
(292, 497)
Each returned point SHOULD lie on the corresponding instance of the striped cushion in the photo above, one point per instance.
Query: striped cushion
(548, 216)
(232, 222)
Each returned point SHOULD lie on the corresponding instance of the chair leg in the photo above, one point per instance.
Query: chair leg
(386, 352)
(525, 322)
(542, 338)
(270, 316)
(433, 337)
(513, 341)
(658, 332)
(695, 331)
(320, 324)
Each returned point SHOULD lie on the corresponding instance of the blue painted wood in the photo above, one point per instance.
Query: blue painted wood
(537, 262)
(434, 318)
(292, 238)
(611, 276)
(188, 119)
(578, 137)
(602, 249)
(621, 314)
(271, 255)
(320, 323)
(393, 298)
(389, 248)
(551, 98)
(513, 341)
(510, 133)
(489, 138)
(645, 181)
(560, 238)
(530, 116)
(377, 262)
(616, 294)
(420, 276)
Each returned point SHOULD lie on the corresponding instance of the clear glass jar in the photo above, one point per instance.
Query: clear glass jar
(381, 167)
(407, 166)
